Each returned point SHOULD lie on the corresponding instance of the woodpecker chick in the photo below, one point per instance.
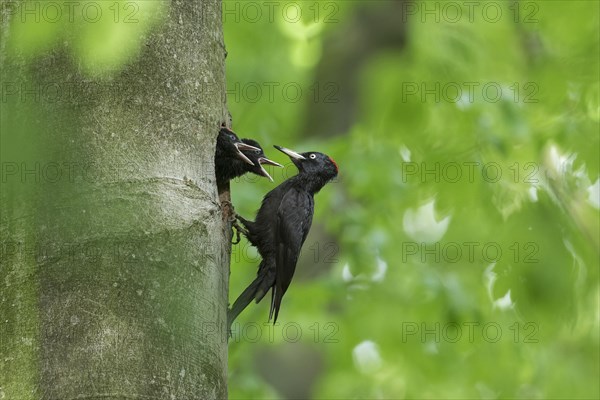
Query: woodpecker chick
(280, 229)
(228, 154)
(258, 158)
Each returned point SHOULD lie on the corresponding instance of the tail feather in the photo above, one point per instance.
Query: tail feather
(255, 291)
(272, 306)
(242, 302)
(276, 297)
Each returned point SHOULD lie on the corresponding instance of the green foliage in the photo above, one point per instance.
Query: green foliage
(511, 103)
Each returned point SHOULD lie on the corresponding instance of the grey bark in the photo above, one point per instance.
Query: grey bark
(115, 254)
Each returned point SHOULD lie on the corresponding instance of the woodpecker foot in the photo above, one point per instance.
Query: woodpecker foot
(242, 228)
(238, 229)
(233, 220)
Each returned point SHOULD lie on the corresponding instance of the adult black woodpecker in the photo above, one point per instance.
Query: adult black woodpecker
(280, 228)
(229, 155)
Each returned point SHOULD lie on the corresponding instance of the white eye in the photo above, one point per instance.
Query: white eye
(313, 156)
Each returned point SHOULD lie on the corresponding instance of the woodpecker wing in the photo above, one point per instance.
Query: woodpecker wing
(294, 218)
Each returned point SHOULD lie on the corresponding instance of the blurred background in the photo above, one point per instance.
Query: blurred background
(457, 253)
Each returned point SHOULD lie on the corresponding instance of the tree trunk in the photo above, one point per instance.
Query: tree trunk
(114, 262)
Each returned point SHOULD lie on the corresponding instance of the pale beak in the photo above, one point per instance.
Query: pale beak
(243, 146)
(263, 171)
(263, 160)
(290, 153)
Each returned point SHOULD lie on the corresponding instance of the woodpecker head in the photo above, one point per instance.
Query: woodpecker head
(258, 158)
(312, 163)
(230, 146)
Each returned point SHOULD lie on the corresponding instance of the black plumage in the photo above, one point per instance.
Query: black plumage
(230, 160)
(234, 157)
(280, 229)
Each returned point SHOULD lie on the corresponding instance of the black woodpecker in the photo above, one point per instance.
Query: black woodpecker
(280, 228)
(258, 158)
(229, 154)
